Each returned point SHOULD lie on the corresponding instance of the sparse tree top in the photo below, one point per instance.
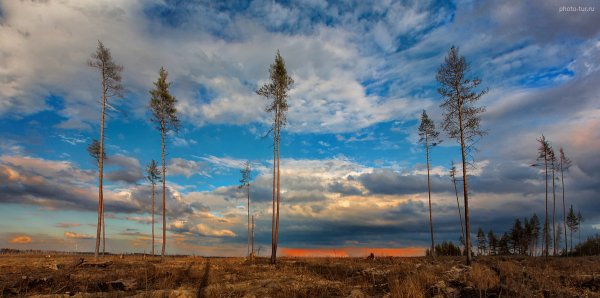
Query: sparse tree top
(551, 154)
(94, 150)
(544, 148)
(452, 172)
(277, 89)
(153, 172)
(459, 95)
(162, 104)
(564, 160)
(246, 172)
(110, 71)
(427, 131)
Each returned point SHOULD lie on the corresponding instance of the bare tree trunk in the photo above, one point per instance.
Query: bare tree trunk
(429, 195)
(103, 230)
(248, 188)
(164, 180)
(153, 217)
(100, 169)
(274, 185)
(555, 241)
(571, 229)
(462, 228)
(252, 253)
(278, 191)
(546, 226)
(465, 187)
(562, 177)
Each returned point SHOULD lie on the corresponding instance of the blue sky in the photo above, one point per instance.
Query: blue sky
(352, 169)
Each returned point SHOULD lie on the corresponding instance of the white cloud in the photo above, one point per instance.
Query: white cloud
(78, 235)
(224, 162)
(205, 230)
(184, 167)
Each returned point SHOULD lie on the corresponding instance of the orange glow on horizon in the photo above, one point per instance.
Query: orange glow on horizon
(353, 252)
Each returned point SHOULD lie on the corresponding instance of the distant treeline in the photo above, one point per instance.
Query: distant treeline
(523, 238)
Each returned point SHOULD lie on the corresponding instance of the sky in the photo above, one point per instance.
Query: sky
(353, 173)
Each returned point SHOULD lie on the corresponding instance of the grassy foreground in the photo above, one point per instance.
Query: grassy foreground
(113, 276)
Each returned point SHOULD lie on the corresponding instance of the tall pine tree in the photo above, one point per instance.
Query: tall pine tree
(461, 117)
(429, 137)
(110, 77)
(276, 91)
(164, 116)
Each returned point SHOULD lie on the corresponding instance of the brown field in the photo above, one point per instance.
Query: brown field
(113, 276)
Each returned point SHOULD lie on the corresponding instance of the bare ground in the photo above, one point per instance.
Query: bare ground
(136, 276)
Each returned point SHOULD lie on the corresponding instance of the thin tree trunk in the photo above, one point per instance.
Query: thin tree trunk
(248, 188)
(429, 195)
(462, 228)
(546, 238)
(252, 254)
(571, 229)
(153, 217)
(555, 241)
(274, 185)
(100, 169)
(465, 187)
(562, 180)
(103, 230)
(278, 190)
(164, 180)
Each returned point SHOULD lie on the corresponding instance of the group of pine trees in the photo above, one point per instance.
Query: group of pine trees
(523, 238)
(461, 121)
(164, 115)
(552, 167)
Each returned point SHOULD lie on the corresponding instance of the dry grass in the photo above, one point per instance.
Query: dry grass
(483, 277)
(409, 287)
(318, 277)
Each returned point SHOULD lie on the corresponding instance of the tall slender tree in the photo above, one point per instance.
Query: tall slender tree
(543, 150)
(429, 137)
(461, 117)
(110, 76)
(565, 164)
(153, 176)
(246, 173)
(453, 177)
(164, 115)
(276, 91)
(552, 159)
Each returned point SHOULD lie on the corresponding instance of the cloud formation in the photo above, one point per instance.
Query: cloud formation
(352, 173)
(74, 235)
(23, 239)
